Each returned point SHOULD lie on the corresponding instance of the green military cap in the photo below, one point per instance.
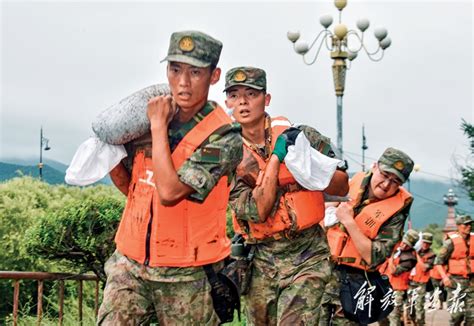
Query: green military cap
(195, 48)
(246, 76)
(397, 162)
(411, 237)
(464, 219)
(427, 237)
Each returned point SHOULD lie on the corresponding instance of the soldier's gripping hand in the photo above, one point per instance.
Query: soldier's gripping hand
(161, 110)
(345, 213)
(447, 282)
(287, 138)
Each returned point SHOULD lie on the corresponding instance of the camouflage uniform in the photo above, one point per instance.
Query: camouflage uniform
(417, 289)
(389, 234)
(178, 296)
(406, 263)
(289, 273)
(466, 285)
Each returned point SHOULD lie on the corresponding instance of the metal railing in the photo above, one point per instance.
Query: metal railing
(41, 277)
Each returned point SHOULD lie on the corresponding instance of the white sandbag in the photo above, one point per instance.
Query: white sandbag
(92, 161)
(127, 120)
(310, 168)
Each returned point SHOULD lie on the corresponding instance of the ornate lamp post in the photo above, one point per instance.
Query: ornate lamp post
(450, 200)
(43, 142)
(337, 42)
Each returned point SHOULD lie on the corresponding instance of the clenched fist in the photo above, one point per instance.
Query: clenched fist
(345, 213)
(161, 110)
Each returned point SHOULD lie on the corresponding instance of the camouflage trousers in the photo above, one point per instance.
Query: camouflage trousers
(460, 301)
(396, 316)
(416, 302)
(288, 280)
(133, 294)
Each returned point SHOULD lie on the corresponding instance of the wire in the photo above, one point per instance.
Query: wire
(421, 171)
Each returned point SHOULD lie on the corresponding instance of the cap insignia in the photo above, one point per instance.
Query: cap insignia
(398, 165)
(186, 44)
(240, 76)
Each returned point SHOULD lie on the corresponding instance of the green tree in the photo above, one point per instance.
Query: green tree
(467, 171)
(81, 233)
(26, 205)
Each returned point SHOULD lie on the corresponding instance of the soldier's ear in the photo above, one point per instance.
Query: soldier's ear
(215, 75)
(268, 97)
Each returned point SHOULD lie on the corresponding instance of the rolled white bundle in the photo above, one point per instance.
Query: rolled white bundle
(127, 120)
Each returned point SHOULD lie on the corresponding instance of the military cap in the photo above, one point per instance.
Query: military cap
(246, 76)
(195, 48)
(397, 162)
(427, 237)
(411, 237)
(464, 219)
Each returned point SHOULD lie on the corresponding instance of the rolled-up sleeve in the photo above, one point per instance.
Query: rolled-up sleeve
(207, 165)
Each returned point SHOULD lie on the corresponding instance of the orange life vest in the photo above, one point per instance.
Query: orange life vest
(461, 261)
(187, 234)
(297, 210)
(435, 274)
(418, 274)
(398, 282)
(369, 220)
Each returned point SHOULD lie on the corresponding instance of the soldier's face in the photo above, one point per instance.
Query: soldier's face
(248, 104)
(425, 246)
(383, 184)
(464, 229)
(190, 85)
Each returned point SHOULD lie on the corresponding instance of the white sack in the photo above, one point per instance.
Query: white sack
(330, 217)
(92, 161)
(127, 120)
(310, 168)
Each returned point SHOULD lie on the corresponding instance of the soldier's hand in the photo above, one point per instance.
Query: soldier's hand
(345, 213)
(447, 282)
(161, 110)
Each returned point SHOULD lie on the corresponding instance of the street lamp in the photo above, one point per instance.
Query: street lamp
(43, 142)
(340, 51)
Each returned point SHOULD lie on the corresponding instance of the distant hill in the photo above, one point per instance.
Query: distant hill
(34, 162)
(428, 206)
(53, 171)
(50, 175)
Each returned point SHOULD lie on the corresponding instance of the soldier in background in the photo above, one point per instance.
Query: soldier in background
(369, 226)
(275, 214)
(398, 268)
(457, 253)
(420, 276)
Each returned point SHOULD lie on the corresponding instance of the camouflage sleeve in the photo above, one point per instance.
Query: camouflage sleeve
(407, 262)
(389, 234)
(242, 202)
(430, 261)
(218, 158)
(445, 252)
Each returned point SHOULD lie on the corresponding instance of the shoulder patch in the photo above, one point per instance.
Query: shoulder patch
(211, 154)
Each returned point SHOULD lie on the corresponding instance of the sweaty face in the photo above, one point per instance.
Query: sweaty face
(383, 184)
(248, 104)
(190, 85)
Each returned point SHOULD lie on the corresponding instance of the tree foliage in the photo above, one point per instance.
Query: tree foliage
(28, 206)
(81, 233)
(467, 171)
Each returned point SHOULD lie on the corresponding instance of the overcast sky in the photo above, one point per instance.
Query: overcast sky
(64, 62)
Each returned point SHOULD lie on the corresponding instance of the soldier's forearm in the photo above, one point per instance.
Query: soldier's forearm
(265, 192)
(362, 243)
